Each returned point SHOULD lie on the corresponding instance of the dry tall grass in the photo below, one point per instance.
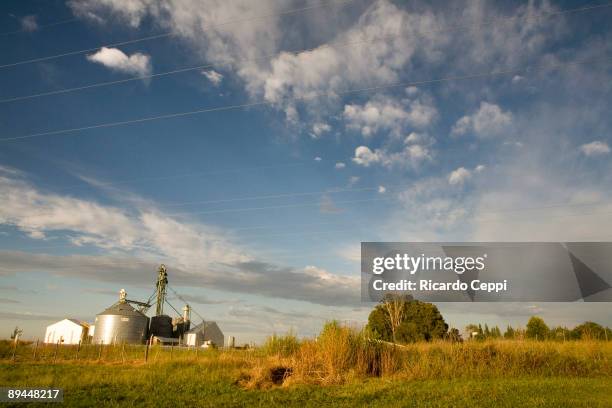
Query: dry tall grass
(340, 354)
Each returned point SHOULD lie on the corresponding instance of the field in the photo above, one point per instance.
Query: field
(339, 369)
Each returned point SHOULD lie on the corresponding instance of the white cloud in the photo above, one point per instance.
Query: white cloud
(480, 168)
(459, 176)
(382, 189)
(29, 23)
(210, 255)
(410, 156)
(365, 157)
(317, 158)
(387, 114)
(319, 128)
(595, 148)
(340, 165)
(489, 120)
(213, 76)
(117, 60)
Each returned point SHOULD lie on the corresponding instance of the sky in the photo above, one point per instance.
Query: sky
(252, 146)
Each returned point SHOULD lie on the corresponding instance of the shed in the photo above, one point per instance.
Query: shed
(203, 332)
(67, 331)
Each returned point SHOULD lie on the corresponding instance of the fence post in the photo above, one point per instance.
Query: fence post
(171, 350)
(78, 350)
(122, 352)
(147, 350)
(15, 350)
(35, 350)
(100, 352)
(55, 351)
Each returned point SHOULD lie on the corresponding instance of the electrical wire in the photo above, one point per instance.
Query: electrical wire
(303, 98)
(40, 27)
(170, 34)
(295, 52)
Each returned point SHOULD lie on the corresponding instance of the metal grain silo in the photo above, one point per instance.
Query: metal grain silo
(161, 326)
(120, 323)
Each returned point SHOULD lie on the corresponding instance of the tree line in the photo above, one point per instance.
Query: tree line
(401, 319)
(537, 329)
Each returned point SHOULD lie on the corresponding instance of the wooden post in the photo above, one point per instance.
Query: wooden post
(148, 343)
(78, 350)
(35, 350)
(55, 351)
(171, 350)
(122, 352)
(15, 349)
(100, 352)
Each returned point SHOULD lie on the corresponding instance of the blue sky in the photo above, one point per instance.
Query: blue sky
(259, 210)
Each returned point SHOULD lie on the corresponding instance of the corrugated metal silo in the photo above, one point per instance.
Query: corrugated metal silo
(161, 326)
(120, 323)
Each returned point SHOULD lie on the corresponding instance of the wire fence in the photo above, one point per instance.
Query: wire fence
(123, 353)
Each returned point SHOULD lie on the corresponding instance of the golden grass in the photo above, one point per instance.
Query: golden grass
(341, 354)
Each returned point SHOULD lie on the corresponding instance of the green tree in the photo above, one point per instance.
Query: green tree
(537, 329)
(453, 335)
(560, 333)
(509, 333)
(589, 331)
(419, 321)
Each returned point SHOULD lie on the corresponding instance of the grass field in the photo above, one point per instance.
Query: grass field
(203, 384)
(340, 368)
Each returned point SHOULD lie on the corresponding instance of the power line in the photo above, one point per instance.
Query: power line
(184, 301)
(478, 218)
(275, 207)
(170, 34)
(296, 52)
(40, 26)
(183, 175)
(272, 196)
(302, 98)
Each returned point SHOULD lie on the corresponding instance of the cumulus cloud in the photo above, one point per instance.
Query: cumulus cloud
(29, 23)
(382, 189)
(489, 120)
(285, 77)
(117, 60)
(300, 84)
(387, 114)
(459, 176)
(213, 76)
(595, 148)
(319, 128)
(340, 165)
(317, 158)
(409, 156)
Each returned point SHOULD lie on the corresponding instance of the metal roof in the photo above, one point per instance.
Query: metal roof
(121, 309)
(79, 322)
(202, 326)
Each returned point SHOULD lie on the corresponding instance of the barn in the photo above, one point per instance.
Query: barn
(67, 331)
(205, 332)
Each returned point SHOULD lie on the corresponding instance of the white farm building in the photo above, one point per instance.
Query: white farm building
(67, 331)
(204, 332)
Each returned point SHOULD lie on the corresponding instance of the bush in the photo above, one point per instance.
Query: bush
(281, 345)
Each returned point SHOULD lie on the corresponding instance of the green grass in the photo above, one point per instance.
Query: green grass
(340, 368)
(213, 383)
